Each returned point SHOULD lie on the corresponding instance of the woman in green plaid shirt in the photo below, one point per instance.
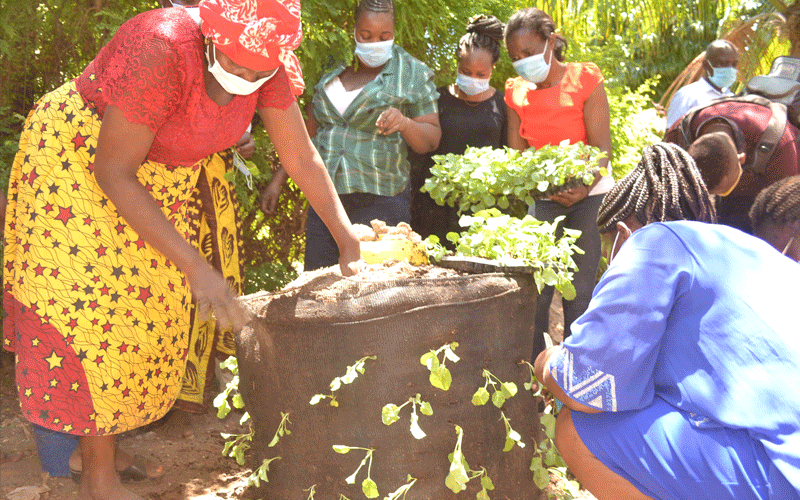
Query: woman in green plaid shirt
(363, 119)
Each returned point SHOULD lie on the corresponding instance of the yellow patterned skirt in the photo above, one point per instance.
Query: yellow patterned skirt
(102, 324)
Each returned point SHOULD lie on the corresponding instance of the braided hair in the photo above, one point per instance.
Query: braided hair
(665, 185)
(483, 32)
(538, 22)
(778, 203)
(378, 6)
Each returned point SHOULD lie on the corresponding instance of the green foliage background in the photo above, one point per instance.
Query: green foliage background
(640, 45)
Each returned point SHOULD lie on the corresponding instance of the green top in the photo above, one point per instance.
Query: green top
(359, 159)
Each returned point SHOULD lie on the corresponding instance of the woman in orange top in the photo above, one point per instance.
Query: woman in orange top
(552, 101)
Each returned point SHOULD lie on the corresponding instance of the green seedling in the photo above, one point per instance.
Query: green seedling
(368, 486)
(440, 376)
(400, 493)
(460, 473)
(350, 375)
(512, 436)
(282, 430)
(261, 473)
(501, 391)
(391, 414)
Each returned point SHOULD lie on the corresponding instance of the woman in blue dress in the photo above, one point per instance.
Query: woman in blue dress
(679, 381)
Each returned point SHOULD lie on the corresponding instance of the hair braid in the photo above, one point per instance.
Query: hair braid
(381, 6)
(665, 185)
(778, 203)
(483, 32)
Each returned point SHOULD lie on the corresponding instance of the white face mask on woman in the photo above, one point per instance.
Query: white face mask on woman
(233, 84)
(470, 85)
(533, 68)
(374, 54)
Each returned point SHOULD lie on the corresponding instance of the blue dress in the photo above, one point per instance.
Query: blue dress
(691, 347)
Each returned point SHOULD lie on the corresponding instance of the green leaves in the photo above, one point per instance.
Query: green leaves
(400, 493)
(260, 473)
(440, 376)
(481, 397)
(282, 430)
(502, 391)
(510, 241)
(391, 414)
(457, 477)
(350, 375)
(484, 177)
(512, 436)
(368, 486)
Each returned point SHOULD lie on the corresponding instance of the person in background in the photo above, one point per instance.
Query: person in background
(552, 101)
(99, 199)
(679, 380)
(363, 118)
(775, 216)
(719, 67)
(719, 162)
(471, 113)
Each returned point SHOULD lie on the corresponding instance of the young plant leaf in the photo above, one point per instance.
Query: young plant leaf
(425, 408)
(340, 448)
(369, 488)
(390, 414)
(416, 431)
(481, 397)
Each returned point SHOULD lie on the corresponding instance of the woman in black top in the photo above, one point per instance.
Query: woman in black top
(471, 113)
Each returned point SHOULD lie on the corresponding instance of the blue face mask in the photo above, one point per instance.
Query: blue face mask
(472, 86)
(533, 68)
(374, 54)
(723, 78)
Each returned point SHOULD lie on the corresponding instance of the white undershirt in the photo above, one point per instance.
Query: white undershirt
(339, 96)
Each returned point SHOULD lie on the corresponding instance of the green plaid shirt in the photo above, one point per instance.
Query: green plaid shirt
(359, 159)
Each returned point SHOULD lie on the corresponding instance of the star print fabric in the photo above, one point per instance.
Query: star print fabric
(98, 319)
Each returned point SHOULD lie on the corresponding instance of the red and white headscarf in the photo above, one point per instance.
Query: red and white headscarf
(256, 34)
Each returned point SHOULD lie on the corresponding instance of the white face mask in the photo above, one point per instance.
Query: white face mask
(470, 85)
(374, 54)
(533, 68)
(233, 84)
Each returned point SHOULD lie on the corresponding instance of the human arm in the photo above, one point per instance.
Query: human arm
(421, 133)
(271, 193)
(515, 141)
(545, 378)
(122, 146)
(304, 165)
(597, 120)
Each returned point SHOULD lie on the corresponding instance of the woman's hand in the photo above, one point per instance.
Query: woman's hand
(246, 146)
(571, 196)
(391, 121)
(350, 262)
(213, 293)
(271, 193)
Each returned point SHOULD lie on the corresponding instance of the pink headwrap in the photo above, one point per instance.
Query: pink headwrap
(256, 34)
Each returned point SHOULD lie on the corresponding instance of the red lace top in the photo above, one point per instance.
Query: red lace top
(152, 69)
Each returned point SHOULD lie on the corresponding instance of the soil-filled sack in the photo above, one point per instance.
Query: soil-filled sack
(381, 324)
